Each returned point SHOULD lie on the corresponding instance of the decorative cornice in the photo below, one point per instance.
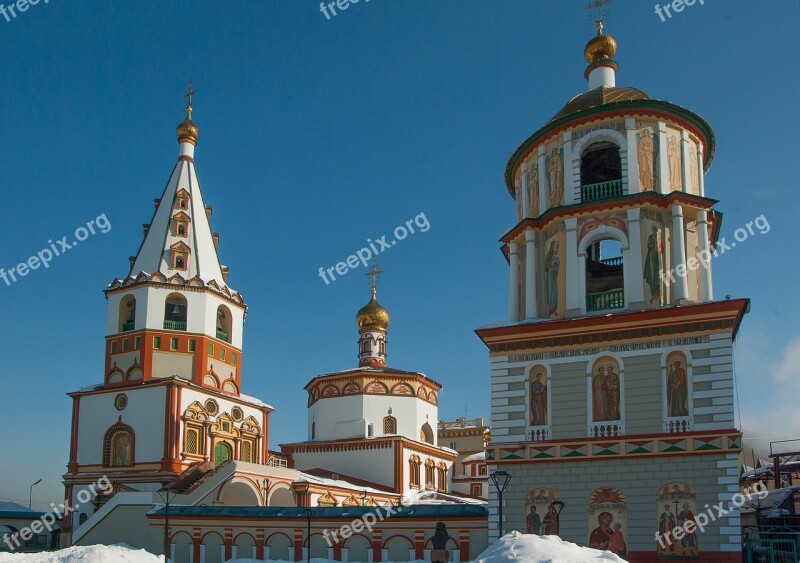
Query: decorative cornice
(590, 449)
(617, 329)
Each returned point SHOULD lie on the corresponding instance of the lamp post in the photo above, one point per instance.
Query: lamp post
(308, 512)
(166, 490)
(558, 506)
(30, 497)
(500, 480)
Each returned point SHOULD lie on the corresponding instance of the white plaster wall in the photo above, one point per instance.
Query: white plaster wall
(371, 465)
(411, 413)
(144, 413)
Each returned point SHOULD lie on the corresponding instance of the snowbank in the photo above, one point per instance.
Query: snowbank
(119, 553)
(530, 548)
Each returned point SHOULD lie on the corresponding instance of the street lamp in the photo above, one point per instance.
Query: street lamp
(30, 497)
(166, 489)
(558, 506)
(308, 512)
(500, 480)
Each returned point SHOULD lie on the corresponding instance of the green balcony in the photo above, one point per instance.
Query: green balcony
(222, 335)
(175, 325)
(128, 326)
(614, 299)
(603, 190)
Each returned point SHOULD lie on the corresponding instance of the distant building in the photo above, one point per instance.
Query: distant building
(468, 437)
(22, 529)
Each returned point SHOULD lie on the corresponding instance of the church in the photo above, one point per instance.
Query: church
(612, 378)
(188, 454)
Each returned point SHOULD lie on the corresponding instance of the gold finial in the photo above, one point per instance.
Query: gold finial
(188, 131)
(372, 315)
(601, 47)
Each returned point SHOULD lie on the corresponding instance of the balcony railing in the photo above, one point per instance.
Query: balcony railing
(678, 424)
(606, 429)
(222, 335)
(128, 326)
(540, 433)
(612, 261)
(614, 299)
(175, 325)
(602, 190)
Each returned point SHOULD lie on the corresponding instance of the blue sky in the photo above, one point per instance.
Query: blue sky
(318, 134)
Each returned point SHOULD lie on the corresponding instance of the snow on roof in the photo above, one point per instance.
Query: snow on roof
(530, 548)
(309, 478)
(120, 553)
(480, 456)
(8, 506)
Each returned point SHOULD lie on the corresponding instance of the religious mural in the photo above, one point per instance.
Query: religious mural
(551, 272)
(533, 187)
(554, 165)
(538, 396)
(540, 516)
(608, 521)
(653, 264)
(606, 390)
(694, 175)
(674, 161)
(519, 203)
(646, 154)
(676, 505)
(677, 385)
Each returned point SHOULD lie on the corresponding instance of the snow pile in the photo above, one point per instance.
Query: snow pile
(530, 548)
(120, 553)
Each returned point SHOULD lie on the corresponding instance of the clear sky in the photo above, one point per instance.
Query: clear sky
(319, 134)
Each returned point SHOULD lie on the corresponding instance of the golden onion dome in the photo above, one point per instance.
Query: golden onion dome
(602, 47)
(188, 131)
(372, 315)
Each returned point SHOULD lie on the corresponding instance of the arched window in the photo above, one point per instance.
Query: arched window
(119, 446)
(222, 452)
(127, 313)
(441, 481)
(413, 471)
(366, 346)
(601, 171)
(430, 474)
(605, 285)
(247, 452)
(426, 433)
(389, 425)
(313, 430)
(224, 323)
(175, 310)
(192, 443)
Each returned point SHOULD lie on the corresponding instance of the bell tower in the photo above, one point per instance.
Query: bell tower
(612, 379)
(174, 314)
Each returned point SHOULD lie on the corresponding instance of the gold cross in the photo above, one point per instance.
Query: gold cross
(597, 11)
(373, 274)
(189, 93)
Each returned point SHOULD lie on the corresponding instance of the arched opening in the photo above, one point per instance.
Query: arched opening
(357, 547)
(601, 171)
(215, 548)
(279, 546)
(399, 548)
(605, 286)
(127, 313)
(175, 309)
(281, 496)
(240, 494)
(426, 433)
(224, 323)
